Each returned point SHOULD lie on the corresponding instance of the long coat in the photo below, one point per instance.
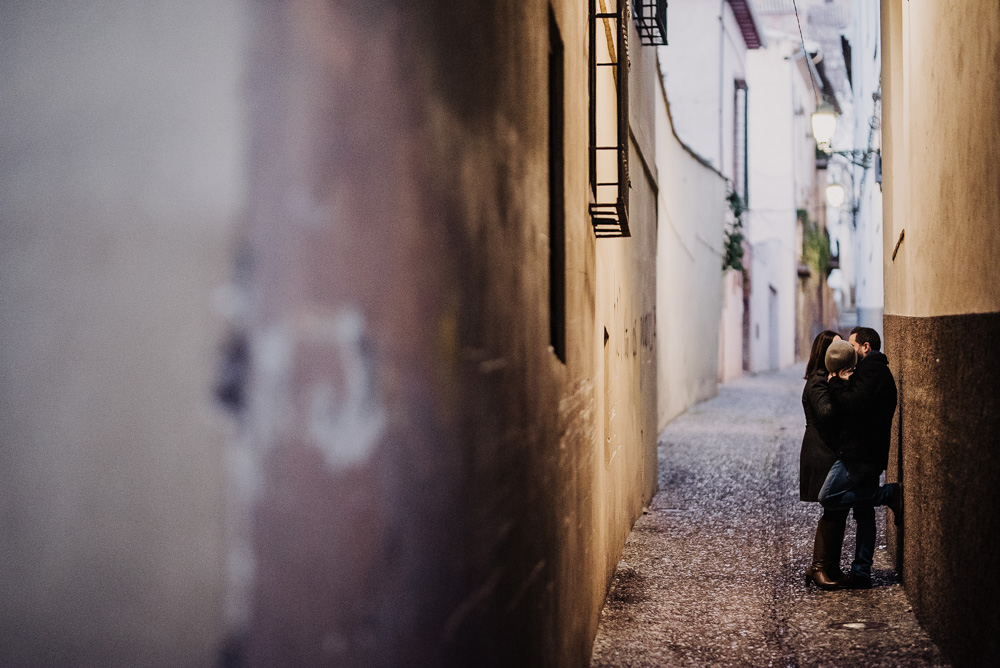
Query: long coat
(819, 445)
(868, 401)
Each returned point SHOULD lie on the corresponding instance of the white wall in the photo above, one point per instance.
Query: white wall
(692, 209)
(775, 177)
(705, 56)
(866, 59)
(731, 329)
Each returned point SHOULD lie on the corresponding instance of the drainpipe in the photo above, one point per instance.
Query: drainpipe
(722, 72)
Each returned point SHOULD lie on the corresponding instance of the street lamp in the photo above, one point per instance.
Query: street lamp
(824, 123)
(835, 195)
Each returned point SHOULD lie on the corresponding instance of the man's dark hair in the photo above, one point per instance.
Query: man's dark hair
(867, 335)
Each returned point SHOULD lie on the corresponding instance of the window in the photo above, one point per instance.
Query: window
(609, 140)
(651, 21)
(557, 209)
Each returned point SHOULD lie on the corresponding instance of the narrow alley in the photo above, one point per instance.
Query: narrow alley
(340, 333)
(712, 574)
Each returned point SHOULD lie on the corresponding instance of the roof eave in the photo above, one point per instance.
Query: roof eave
(746, 18)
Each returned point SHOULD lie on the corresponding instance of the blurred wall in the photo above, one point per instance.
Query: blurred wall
(121, 153)
(427, 482)
(413, 475)
(941, 87)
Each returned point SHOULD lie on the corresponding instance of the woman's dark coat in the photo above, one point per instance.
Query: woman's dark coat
(819, 445)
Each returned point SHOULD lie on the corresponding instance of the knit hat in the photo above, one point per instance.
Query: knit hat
(840, 355)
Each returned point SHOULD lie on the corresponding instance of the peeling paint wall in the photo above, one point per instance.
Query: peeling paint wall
(941, 202)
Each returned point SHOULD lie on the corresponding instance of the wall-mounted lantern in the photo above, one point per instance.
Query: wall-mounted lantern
(651, 21)
(609, 140)
(824, 124)
(835, 195)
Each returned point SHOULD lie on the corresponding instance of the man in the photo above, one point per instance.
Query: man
(867, 400)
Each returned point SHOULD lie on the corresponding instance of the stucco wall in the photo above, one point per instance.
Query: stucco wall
(731, 329)
(692, 212)
(469, 507)
(866, 67)
(775, 179)
(120, 185)
(705, 56)
(940, 86)
(944, 92)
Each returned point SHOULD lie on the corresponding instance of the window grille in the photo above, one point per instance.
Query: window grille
(609, 140)
(651, 21)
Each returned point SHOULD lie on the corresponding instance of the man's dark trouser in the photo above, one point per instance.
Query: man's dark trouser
(855, 485)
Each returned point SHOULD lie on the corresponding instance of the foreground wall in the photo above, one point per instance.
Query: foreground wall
(430, 483)
(120, 186)
(941, 97)
(412, 474)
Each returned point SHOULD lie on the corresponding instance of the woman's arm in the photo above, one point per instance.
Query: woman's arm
(818, 392)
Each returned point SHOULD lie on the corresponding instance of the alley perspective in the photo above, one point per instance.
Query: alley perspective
(708, 574)
(472, 333)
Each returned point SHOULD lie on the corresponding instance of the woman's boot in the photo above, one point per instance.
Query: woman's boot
(825, 571)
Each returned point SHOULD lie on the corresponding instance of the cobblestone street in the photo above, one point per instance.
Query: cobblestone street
(713, 574)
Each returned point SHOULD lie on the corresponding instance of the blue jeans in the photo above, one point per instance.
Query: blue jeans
(855, 486)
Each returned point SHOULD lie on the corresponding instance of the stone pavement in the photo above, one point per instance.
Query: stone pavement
(713, 574)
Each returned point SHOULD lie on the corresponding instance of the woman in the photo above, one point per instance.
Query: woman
(818, 455)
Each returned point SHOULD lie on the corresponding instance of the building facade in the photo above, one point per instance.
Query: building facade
(941, 88)
(704, 78)
(368, 230)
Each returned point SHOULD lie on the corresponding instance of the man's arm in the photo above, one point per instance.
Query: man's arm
(854, 394)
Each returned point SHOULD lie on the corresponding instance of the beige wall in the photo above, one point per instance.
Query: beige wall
(626, 307)
(941, 111)
(121, 181)
(940, 89)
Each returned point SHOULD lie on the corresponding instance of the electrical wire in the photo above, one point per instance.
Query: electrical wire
(805, 52)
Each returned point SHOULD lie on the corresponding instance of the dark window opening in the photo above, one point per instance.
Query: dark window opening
(557, 209)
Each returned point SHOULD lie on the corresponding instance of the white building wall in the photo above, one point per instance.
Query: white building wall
(689, 280)
(705, 57)
(700, 67)
(866, 59)
(774, 140)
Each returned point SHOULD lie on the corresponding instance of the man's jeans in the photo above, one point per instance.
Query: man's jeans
(855, 486)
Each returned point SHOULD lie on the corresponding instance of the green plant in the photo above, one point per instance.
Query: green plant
(815, 244)
(732, 256)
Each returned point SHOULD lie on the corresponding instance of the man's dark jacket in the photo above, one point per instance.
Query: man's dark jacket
(867, 402)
